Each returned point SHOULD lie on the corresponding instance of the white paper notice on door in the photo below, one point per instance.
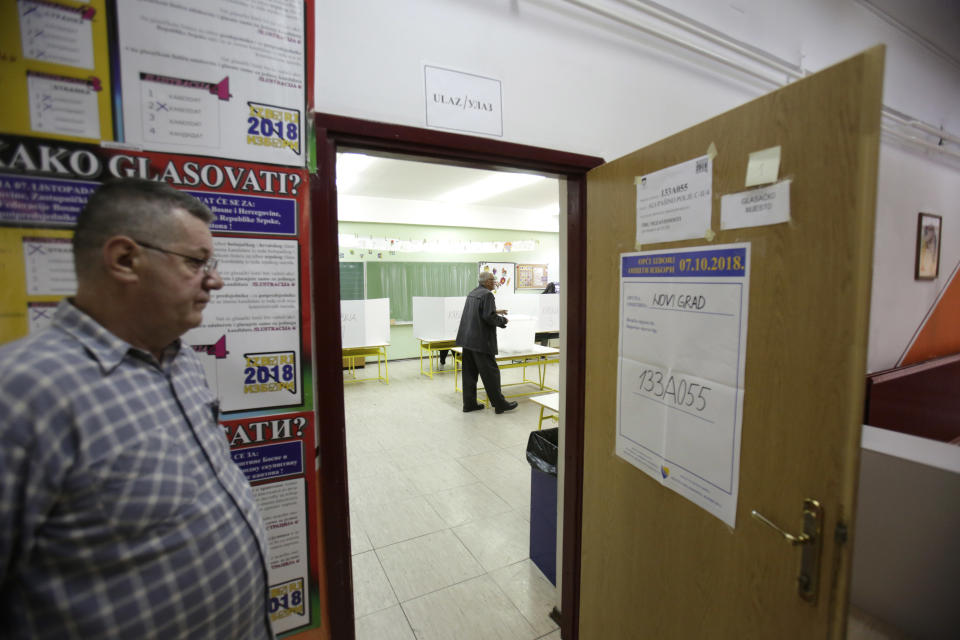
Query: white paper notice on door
(680, 371)
(675, 203)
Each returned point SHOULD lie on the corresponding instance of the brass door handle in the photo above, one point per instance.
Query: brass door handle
(803, 538)
(808, 579)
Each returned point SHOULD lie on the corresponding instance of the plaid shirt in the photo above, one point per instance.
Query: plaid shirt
(122, 514)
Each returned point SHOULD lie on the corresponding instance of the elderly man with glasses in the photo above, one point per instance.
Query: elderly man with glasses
(122, 514)
(478, 337)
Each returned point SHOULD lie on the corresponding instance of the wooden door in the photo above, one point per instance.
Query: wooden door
(654, 565)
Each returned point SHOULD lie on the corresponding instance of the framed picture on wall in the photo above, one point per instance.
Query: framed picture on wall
(503, 274)
(928, 246)
(532, 276)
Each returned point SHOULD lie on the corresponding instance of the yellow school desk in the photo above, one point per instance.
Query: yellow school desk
(534, 355)
(432, 347)
(549, 401)
(378, 350)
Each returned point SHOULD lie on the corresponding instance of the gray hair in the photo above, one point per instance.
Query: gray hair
(130, 206)
(484, 276)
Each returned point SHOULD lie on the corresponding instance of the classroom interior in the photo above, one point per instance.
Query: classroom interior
(440, 499)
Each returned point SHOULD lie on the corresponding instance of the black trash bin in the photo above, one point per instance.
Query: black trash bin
(542, 456)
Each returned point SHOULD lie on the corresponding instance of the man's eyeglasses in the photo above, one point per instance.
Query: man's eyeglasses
(207, 264)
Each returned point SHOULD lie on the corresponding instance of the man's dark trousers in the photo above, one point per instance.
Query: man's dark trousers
(484, 364)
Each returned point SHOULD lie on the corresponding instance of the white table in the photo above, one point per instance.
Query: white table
(551, 402)
(432, 347)
(378, 350)
(534, 355)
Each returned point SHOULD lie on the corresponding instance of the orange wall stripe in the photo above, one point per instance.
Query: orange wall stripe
(939, 333)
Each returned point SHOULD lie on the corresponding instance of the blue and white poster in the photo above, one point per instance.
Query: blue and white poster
(680, 370)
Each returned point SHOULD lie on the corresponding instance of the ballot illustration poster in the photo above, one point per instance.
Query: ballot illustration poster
(250, 336)
(219, 78)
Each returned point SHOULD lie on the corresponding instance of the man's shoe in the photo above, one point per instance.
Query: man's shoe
(475, 407)
(510, 406)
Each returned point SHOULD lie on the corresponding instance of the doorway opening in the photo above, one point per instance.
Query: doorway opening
(440, 500)
(402, 144)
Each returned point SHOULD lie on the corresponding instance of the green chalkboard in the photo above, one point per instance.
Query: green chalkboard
(351, 281)
(401, 281)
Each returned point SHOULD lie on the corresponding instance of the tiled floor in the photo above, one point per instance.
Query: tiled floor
(864, 626)
(439, 504)
(440, 509)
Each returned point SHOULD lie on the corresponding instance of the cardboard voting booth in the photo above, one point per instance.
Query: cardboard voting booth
(544, 309)
(548, 312)
(436, 318)
(518, 335)
(365, 323)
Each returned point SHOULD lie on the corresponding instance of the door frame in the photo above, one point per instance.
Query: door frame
(333, 131)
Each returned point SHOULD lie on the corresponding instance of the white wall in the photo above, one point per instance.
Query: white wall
(909, 184)
(904, 567)
(577, 82)
(546, 252)
(421, 212)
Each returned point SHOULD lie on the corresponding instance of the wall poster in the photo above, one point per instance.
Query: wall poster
(116, 88)
(55, 69)
(255, 337)
(503, 275)
(680, 371)
(252, 334)
(276, 454)
(532, 276)
(218, 78)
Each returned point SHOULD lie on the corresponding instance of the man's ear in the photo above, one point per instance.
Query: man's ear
(122, 259)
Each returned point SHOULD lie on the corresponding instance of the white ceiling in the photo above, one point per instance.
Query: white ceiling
(412, 180)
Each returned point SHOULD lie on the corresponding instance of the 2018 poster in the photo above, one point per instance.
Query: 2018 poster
(680, 371)
(276, 454)
(219, 78)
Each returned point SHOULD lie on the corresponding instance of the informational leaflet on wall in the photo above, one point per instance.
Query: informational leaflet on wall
(680, 372)
(250, 336)
(63, 106)
(40, 315)
(37, 268)
(276, 455)
(57, 33)
(55, 69)
(220, 78)
(48, 265)
(675, 203)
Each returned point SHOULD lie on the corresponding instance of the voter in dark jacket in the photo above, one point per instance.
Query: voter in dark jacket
(478, 337)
